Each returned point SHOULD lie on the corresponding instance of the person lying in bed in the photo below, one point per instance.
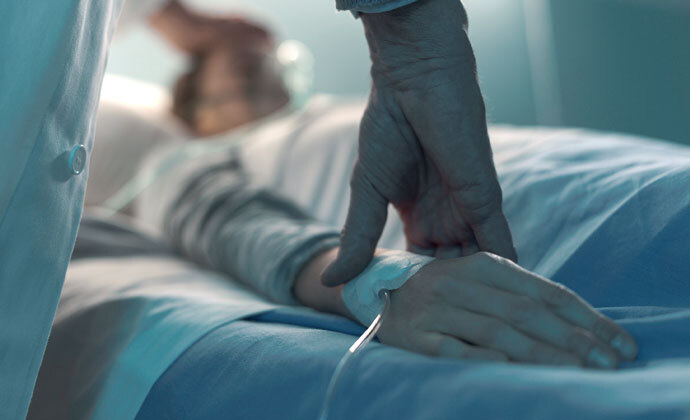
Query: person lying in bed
(478, 306)
(616, 233)
(231, 82)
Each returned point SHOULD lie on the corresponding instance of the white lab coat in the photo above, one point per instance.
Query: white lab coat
(52, 59)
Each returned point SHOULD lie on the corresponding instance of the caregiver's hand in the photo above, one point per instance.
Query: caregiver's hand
(487, 307)
(423, 144)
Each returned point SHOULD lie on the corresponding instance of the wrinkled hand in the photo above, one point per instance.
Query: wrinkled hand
(424, 145)
(486, 307)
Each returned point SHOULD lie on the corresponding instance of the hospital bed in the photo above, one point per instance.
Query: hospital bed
(141, 333)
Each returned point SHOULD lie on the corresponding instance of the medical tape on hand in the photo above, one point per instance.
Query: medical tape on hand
(389, 270)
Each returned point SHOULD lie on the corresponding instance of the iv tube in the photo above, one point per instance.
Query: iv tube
(361, 342)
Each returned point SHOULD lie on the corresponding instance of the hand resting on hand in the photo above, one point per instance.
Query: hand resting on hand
(485, 307)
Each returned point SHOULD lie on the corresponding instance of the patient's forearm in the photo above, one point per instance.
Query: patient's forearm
(309, 290)
(249, 233)
(483, 307)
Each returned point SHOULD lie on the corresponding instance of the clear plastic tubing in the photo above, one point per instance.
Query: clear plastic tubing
(361, 342)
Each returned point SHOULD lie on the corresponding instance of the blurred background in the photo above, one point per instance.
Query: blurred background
(616, 65)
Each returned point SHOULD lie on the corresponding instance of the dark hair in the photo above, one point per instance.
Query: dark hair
(187, 97)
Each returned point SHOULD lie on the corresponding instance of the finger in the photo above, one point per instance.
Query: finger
(565, 303)
(366, 218)
(493, 235)
(442, 345)
(574, 309)
(446, 252)
(494, 334)
(454, 348)
(536, 320)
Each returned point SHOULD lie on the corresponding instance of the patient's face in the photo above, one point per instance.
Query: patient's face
(237, 81)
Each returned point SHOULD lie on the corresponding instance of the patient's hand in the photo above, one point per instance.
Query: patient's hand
(506, 312)
(486, 307)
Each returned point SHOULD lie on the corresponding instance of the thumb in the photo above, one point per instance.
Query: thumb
(366, 218)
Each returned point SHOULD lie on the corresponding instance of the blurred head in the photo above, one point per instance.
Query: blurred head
(235, 80)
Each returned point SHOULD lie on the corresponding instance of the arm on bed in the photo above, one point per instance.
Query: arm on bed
(247, 232)
(484, 307)
(504, 311)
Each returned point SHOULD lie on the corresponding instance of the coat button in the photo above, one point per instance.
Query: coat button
(77, 159)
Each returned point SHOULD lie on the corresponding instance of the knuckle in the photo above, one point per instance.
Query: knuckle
(601, 328)
(559, 295)
(522, 311)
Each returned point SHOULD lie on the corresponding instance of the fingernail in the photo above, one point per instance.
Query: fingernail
(599, 359)
(624, 347)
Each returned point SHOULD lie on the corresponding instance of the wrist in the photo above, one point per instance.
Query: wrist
(309, 290)
(415, 39)
(389, 270)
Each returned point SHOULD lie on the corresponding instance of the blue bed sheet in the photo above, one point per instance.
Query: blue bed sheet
(278, 366)
(607, 215)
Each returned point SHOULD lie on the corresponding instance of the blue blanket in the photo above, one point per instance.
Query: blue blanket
(264, 369)
(607, 215)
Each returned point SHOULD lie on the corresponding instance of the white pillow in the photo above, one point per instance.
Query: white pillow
(133, 118)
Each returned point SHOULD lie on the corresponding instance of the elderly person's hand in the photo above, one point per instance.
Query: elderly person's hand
(424, 145)
(485, 307)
